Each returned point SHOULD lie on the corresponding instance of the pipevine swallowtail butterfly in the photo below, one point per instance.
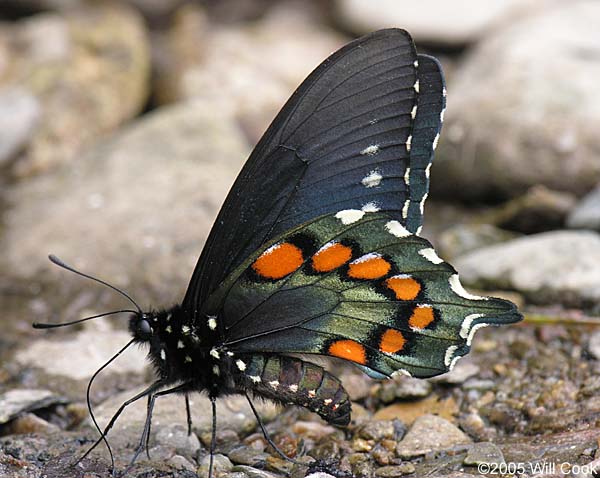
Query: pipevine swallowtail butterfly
(316, 249)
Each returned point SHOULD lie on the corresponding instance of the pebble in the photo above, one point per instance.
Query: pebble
(220, 464)
(176, 436)
(245, 455)
(30, 423)
(20, 113)
(430, 433)
(586, 214)
(395, 471)
(254, 472)
(463, 370)
(17, 401)
(594, 344)
(483, 452)
(181, 463)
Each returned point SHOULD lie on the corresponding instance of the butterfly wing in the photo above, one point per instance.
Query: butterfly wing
(346, 139)
(361, 288)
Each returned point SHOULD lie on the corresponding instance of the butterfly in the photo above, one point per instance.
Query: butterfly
(316, 249)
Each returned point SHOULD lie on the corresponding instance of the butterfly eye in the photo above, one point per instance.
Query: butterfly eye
(144, 329)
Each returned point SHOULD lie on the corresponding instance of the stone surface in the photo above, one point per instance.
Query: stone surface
(552, 267)
(482, 453)
(430, 433)
(20, 113)
(87, 69)
(586, 215)
(175, 436)
(594, 345)
(17, 401)
(463, 370)
(462, 238)
(452, 24)
(138, 208)
(518, 116)
(247, 71)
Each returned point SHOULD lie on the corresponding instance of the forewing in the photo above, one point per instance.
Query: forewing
(340, 142)
(362, 289)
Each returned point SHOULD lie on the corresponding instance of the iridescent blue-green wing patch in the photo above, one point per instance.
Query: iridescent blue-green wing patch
(346, 139)
(358, 286)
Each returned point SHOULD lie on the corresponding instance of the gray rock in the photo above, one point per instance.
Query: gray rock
(246, 70)
(255, 472)
(17, 401)
(482, 453)
(246, 455)
(181, 463)
(394, 471)
(138, 207)
(19, 116)
(463, 370)
(454, 23)
(220, 464)
(552, 267)
(175, 436)
(594, 345)
(319, 474)
(430, 433)
(462, 238)
(586, 214)
(87, 68)
(514, 119)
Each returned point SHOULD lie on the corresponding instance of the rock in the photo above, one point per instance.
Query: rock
(514, 119)
(319, 474)
(463, 370)
(30, 423)
(538, 210)
(594, 345)
(181, 463)
(430, 433)
(247, 71)
(254, 472)
(93, 346)
(482, 453)
(17, 401)
(462, 238)
(175, 436)
(405, 388)
(233, 412)
(551, 267)
(138, 207)
(433, 21)
(245, 455)
(586, 214)
(85, 70)
(408, 412)
(395, 471)
(221, 464)
(19, 115)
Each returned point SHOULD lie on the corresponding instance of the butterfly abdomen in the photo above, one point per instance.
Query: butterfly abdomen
(289, 380)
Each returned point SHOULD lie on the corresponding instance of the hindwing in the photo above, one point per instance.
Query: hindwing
(355, 285)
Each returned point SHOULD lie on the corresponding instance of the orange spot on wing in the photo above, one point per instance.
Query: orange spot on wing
(405, 288)
(331, 257)
(421, 317)
(392, 341)
(349, 350)
(278, 261)
(370, 266)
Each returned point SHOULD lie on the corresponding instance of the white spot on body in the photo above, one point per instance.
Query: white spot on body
(349, 216)
(254, 378)
(212, 322)
(169, 316)
(413, 112)
(449, 356)
(372, 179)
(312, 393)
(435, 140)
(274, 384)
(407, 176)
(215, 370)
(230, 354)
(327, 401)
(408, 142)
(293, 388)
(213, 353)
(416, 86)
(168, 329)
(431, 255)
(459, 290)
(188, 359)
(241, 365)
(185, 330)
(416, 63)
(370, 150)
(180, 344)
(163, 355)
(405, 208)
(422, 203)
(370, 207)
(396, 229)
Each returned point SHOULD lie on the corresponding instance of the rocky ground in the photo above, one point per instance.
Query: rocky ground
(124, 123)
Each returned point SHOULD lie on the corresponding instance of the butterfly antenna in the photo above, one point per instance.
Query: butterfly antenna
(55, 260)
(38, 325)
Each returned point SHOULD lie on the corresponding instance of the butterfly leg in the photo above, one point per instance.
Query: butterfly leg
(213, 439)
(155, 386)
(266, 435)
(188, 413)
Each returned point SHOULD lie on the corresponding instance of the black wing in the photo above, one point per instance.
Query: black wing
(346, 139)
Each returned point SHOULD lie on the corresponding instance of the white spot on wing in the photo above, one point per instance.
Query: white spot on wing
(396, 229)
(466, 325)
(185, 330)
(241, 365)
(413, 112)
(444, 92)
(293, 388)
(435, 140)
(442, 115)
(274, 383)
(416, 63)
(408, 142)
(255, 378)
(188, 359)
(366, 257)
(428, 171)
(180, 344)
(215, 370)
(431, 255)
(416, 86)
(163, 355)
(312, 393)
(459, 290)
(349, 216)
(449, 357)
(407, 176)
(372, 179)
(405, 208)
(422, 203)
(419, 229)
(168, 329)
(370, 150)
(327, 401)
(212, 322)
(213, 353)
(370, 207)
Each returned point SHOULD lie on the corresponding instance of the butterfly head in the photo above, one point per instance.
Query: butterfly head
(140, 326)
